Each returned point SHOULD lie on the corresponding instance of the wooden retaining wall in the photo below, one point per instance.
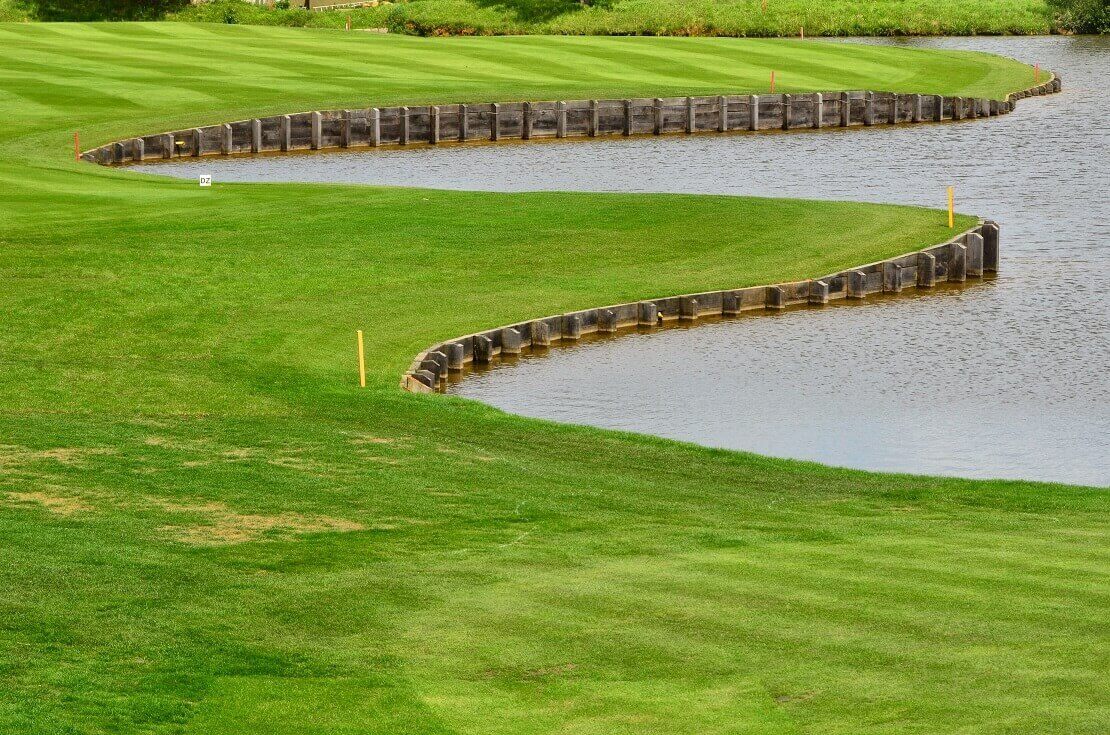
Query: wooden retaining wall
(968, 255)
(433, 124)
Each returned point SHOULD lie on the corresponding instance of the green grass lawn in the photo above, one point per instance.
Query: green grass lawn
(207, 528)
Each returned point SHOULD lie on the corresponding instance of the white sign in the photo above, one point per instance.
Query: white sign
(205, 179)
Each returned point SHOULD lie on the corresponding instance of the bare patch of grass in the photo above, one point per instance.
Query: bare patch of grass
(13, 456)
(63, 505)
(219, 525)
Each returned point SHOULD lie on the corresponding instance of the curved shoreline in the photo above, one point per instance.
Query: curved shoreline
(465, 123)
(968, 255)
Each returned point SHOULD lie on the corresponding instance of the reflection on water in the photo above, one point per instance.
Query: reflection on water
(1007, 378)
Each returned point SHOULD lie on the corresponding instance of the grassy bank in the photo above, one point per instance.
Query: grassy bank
(207, 528)
(748, 18)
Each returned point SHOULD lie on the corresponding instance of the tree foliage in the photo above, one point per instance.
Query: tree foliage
(1082, 16)
(78, 10)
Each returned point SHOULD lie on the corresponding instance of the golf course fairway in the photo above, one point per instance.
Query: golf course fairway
(206, 526)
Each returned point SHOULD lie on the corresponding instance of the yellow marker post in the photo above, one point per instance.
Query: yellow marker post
(361, 361)
(951, 211)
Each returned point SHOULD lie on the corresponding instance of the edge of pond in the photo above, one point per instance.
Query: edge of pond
(969, 254)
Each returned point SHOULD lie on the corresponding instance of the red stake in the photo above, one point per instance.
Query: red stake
(76, 146)
(772, 81)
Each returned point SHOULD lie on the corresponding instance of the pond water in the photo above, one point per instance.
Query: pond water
(1004, 378)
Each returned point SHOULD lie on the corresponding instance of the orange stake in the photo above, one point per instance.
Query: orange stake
(76, 146)
(1036, 72)
(772, 81)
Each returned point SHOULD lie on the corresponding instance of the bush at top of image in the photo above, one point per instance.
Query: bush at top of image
(1082, 16)
(84, 10)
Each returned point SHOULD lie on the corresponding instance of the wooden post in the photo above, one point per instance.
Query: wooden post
(256, 135)
(938, 111)
(857, 285)
(495, 121)
(957, 263)
(456, 354)
(404, 122)
(869, 109)
(722, 111)
(628, 117)
(560, 119)
(593, 118)
(464, 122)
(974, 244)
(317, 129)
(926, 270)
(433, 124)
(286, 132)
(818, 109)
(375, 127)
(658, 110)
(526, 121)
(893, 108)
(225, 139)
(198, 141)
(753, 112)
(786, 112)
(361, 361)
(345, 130)
(845, 109)
(168, 143)
(691, 118)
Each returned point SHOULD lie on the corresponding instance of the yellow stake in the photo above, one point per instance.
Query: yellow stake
(361, 361)
(951, 211)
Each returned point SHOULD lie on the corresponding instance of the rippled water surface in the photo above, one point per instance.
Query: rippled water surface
(1005, 378)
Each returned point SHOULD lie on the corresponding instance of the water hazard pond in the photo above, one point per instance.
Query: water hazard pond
(1004, 378)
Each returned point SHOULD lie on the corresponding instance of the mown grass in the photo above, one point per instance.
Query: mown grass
(208, 528)
(745, 18)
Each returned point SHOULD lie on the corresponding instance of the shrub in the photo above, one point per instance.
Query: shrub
(79, 10)
(13, 11)
(1082, 16)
